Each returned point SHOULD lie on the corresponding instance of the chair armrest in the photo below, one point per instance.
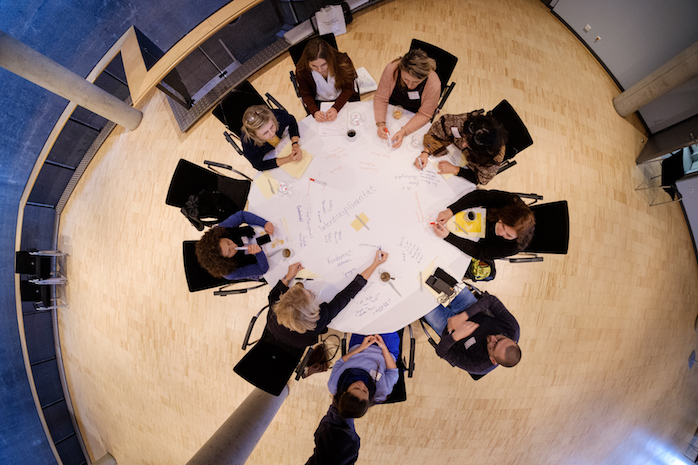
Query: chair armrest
(222, 293)
(295, 84)
(410, 365)
(423, 322)
(231, 141)
(271, 100)
(506, 165)
(344, 344)
(304, 362)
(209, 164)
(534, 197)
(531, 258)
(246, 342)
(444, 96)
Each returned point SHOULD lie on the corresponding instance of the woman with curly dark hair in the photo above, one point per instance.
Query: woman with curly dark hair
(480, 137)
(324, 75)
(510, 224)
(219, 253)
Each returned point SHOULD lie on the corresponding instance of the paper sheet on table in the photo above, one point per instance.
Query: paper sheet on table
(461, 226)
(365, 81)
(267, 185)
(356, 224)
(454, 157)
(429, 270)
(295, 168)
(338, 127)
(307, 274)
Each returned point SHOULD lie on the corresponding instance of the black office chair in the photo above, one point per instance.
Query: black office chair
(552, 233)
(672, 171)
(445, 64)
(399, 392)
(229, 111)
(423, 322)
(190, 179)
(296, 51)
(39, 296)
(519, 138)
(38, 266)
(270, 364)
(198, 279)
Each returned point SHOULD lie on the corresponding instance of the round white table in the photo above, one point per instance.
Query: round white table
(361, 178)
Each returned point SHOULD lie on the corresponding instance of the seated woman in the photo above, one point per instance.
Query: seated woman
(262, 129)
(509, 224)
(325, 75)
(411, 82)
(217, 253)
(364, 376)
(296, 319)
(480, 137)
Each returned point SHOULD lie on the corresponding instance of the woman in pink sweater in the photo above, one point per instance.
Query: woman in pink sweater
(411, 82)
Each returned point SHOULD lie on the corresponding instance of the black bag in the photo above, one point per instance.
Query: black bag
(208, 208)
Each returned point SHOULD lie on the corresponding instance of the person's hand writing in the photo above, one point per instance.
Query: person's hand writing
(331, 114)
(447, 168)
(440, 231)
(319, 116)
(421, 161)
(382, 132)
(396, 141)
(269, 228)
(296, 152)
(381, 257)
(444, 216)
(464, 330)
(253, 249)
(457, 320)
(293, 270)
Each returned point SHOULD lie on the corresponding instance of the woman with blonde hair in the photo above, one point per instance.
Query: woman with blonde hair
(324, 75)
(411, 82)
(296, 319)
(262, 129)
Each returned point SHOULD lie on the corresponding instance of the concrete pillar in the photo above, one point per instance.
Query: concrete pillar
(106, 460)
(672, 74)
(235, 440)
(42, 71)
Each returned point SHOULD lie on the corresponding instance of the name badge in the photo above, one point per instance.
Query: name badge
(469, 342)
(413, 94)
(376, 375)
(455, 132)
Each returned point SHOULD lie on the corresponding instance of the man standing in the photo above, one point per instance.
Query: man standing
(476, 335)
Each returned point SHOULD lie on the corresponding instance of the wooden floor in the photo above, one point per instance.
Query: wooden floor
(606, 330)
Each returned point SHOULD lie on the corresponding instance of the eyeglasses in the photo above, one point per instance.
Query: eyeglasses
(254, 115)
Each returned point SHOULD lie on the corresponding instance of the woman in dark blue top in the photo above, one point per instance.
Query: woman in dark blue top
(262, 128)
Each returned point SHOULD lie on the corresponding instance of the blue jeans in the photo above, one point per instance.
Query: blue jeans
(438, 318)
(392, 342)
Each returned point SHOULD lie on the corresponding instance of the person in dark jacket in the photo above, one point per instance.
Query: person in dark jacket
(262, 129)
(476, 335)
(509, 224)
(296, 319)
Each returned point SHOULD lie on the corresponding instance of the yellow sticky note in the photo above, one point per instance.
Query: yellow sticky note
(356, 224)
(267, 185)
(306, 274)
(295, 168)
(461, 225)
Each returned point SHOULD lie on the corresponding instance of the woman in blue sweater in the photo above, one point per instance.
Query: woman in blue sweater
(262, 129)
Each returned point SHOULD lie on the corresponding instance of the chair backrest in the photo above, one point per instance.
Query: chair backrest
(189, 179)
(30, 292)
(399, 392)
(672, 169)
(198, 279)
(296, 50)
(552, 234)
(229, 111)
(35, 265)
(519, 138)
(445, 62)
(269, 365)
